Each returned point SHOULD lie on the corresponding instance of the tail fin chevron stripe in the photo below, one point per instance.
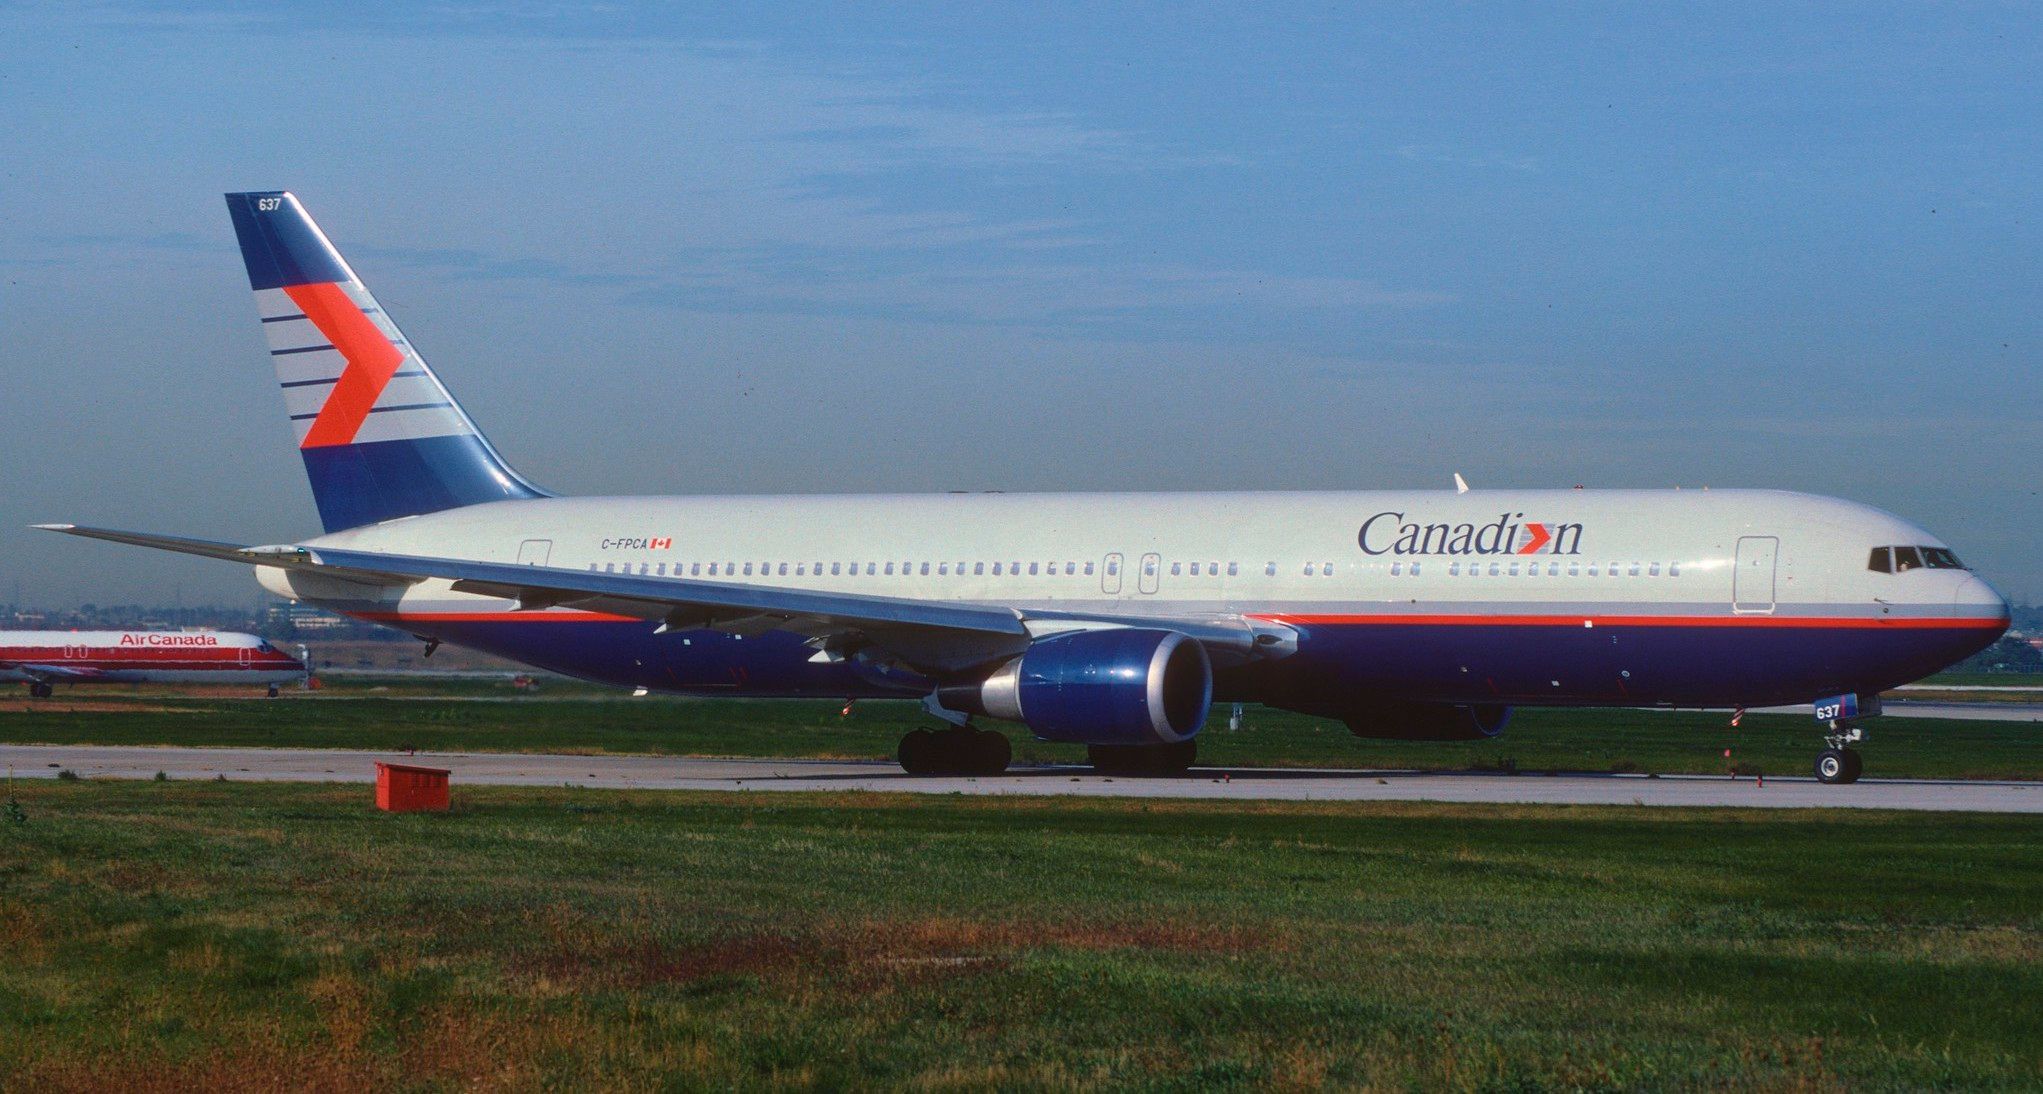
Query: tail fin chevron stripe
(372, 361)
(380, 436)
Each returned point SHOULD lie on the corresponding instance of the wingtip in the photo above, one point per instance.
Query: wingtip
(54, 527)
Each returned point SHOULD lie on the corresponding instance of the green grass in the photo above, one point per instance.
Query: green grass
(1574, 740)
(208, 934)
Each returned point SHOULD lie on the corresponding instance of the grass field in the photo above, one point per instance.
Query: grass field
(585, 720)
(213, 935)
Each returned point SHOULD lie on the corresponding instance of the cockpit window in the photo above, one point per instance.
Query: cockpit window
(1899, 560)
(1941, 558)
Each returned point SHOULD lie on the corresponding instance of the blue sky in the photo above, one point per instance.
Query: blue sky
(823, 249)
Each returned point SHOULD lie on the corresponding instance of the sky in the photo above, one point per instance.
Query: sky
(892, 248)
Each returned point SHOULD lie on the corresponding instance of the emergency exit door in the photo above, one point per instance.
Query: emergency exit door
(535, 552)
(1752, 582)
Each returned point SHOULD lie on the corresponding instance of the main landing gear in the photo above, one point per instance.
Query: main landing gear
(957, 750)
(37, 689)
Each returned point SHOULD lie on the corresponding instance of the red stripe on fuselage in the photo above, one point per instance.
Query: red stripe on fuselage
(497, 617)
(372, 361)
(1825, 622)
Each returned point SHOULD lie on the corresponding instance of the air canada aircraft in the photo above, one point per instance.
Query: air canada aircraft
(44, 659)
(1109, 620)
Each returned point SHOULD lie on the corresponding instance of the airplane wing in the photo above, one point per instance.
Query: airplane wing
(923, 634)
(46, 673)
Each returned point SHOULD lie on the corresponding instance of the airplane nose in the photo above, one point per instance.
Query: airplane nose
(1975, 599)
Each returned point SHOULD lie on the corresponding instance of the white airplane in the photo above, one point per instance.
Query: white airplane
(43, 659)
(1109, 620)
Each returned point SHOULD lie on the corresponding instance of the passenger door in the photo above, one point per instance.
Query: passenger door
(1145, 579)
(1110, 575)
(1752, 581)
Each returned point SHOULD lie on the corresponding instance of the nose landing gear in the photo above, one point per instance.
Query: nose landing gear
(1840, 764)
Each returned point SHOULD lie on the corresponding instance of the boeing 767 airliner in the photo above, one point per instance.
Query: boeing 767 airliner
(1109, 620)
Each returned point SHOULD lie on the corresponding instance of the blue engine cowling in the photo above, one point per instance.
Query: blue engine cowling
(1121, 686)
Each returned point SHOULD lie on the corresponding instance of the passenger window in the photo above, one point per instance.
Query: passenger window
(1270, 570)
(979, 568)
(1592, 569)
(1149, 567)
(1234, 569)
(1175, 569)
(1396, 569)
(1674, 569)
(1088, 569)
(1454, 569)
(1906, 559)
(836, 569)
(925, 569)
(1494, 569)
(783, 569)
(1514, 570)
(1635, 569)
(1613, 570)
(1415, 569)
(1032, 569)
(1653, 570)
(748, 569)
(695, 569)
(943, 569)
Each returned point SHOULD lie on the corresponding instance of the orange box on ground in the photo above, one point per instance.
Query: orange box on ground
(402, 788)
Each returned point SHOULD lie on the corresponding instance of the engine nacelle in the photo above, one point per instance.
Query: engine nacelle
(1121, 686)
(1399, 721)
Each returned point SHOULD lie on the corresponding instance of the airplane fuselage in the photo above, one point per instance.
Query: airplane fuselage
(143, 657)
(1569, 597)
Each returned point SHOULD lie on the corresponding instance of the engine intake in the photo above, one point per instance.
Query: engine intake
(1123, 686)
(1396, 721)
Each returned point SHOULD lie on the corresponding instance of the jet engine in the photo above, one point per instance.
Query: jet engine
(1402, 721)
(1121, 686)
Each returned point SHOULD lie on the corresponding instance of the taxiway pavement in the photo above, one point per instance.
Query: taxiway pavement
(682, 773)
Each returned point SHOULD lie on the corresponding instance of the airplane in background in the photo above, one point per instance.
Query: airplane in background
(44, 659)
(1108, 620)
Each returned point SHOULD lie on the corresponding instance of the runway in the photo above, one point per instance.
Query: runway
(1242, 784)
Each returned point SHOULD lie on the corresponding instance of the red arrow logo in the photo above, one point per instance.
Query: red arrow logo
(1540, 538)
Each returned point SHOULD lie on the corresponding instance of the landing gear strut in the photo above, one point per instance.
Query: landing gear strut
(958, 750)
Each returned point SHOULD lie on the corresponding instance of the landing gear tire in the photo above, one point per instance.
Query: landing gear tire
(919, 753)
(40, 691)
(1173, 759)
(991, 752)
(959, 751)
(1838, 766)
(273, 691)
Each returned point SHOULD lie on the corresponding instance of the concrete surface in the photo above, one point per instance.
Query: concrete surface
(678, 773)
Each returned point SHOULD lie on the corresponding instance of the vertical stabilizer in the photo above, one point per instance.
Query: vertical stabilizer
(380, 435)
